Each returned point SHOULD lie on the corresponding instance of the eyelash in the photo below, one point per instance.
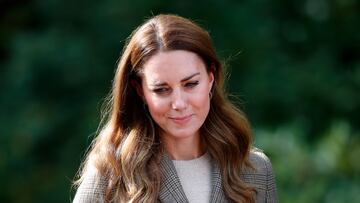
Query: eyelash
(160, 90)
(164, 89)
(192, 84)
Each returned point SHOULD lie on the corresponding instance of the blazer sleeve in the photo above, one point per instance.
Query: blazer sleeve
(91, 189)
(262, 178)
(271, 194)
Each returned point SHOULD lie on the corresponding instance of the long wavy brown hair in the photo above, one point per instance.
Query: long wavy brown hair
(128, 150)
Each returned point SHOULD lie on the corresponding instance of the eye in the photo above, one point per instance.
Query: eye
(192, 84)
(161, 90)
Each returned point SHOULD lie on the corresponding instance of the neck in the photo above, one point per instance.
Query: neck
(184, 148)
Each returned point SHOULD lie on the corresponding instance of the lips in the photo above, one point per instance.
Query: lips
(181, 120)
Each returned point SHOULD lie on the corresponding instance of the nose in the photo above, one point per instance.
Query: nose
(178, 100)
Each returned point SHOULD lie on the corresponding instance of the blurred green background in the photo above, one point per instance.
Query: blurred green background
(294, 64)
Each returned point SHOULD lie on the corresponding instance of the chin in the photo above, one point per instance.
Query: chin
(180, 134)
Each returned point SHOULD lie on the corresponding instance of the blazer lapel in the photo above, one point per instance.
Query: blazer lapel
(217, 193)
(170, 190)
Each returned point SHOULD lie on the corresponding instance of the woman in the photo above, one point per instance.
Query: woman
(171, 135)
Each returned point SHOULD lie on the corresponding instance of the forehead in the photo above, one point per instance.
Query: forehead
(172, 65)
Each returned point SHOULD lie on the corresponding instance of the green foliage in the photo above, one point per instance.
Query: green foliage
(325, 171)
(295, 65)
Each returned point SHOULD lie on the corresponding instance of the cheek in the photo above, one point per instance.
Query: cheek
(157, 106)
(201, 99)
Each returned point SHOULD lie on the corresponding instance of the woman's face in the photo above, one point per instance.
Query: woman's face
(175, 86)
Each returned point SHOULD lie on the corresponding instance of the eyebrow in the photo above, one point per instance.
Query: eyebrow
(182, 80)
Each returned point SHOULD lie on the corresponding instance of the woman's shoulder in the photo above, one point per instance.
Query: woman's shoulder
(261, 176)
(260, 169)
(92, 187)
(259, 161)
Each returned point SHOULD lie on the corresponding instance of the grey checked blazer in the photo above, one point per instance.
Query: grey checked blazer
(262, 179)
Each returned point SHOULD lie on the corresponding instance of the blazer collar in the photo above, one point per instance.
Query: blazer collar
(172, 191)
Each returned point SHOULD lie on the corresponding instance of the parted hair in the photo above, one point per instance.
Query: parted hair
(128, 149)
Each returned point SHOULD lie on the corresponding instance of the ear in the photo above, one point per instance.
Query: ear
(138, 89)
(211, 75)
(211, 80)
